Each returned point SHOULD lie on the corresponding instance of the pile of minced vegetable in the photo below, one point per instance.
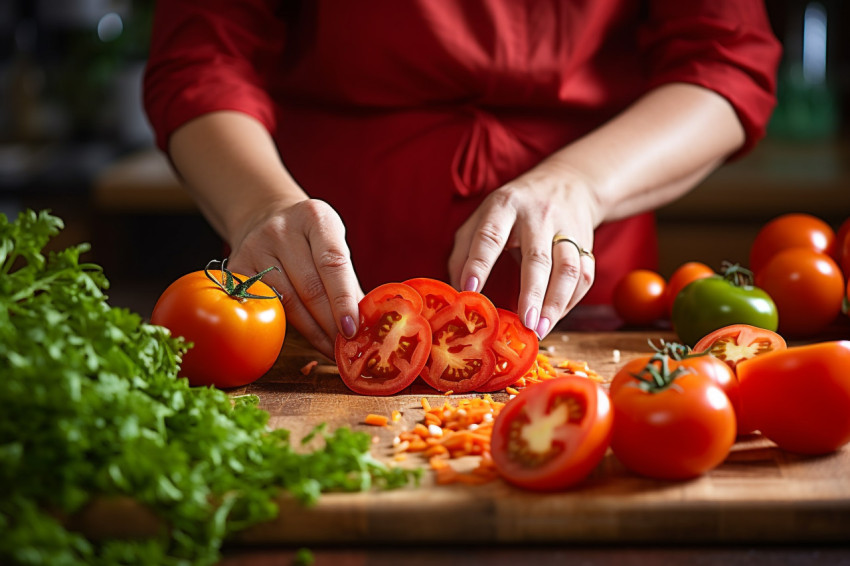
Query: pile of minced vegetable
(92, 408)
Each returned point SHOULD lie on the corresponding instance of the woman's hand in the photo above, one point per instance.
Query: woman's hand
(529, 214)
(316, 282)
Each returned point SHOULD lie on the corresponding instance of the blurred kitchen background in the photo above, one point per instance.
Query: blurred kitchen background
(74, 138)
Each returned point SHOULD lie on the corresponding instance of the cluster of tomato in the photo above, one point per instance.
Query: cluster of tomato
(455, 340)
(676, 414)
(797, 282)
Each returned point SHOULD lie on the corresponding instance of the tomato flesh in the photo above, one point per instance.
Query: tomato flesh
(390, 347)
(516, 348)
(738, 342)
(436, 295)
(552, 435)
(461, 357)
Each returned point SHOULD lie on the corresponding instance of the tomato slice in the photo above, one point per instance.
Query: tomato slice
(516, 349)
(738, 342)
(387, 291)
(391, 346)
(462, 335)
(435, 294)
(552, 435)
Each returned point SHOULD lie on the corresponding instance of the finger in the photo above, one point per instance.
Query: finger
(571, 278)
(485, 244)
(332, 258)
(535, 270)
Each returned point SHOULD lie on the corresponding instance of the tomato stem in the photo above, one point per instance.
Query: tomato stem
(239, 289)
(737, 275)
(656, 375)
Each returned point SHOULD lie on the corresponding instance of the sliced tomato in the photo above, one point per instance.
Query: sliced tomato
(462, 335)
(552, 435)
(516, 350)
(738, 342)
(391, 346)
(435, 294)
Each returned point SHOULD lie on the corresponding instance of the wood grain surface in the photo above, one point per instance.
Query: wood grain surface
(759, 494)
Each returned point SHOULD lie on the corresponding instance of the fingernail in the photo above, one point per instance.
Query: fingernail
(542, 327)
(348, 328)
(471, 284)
(531, 318)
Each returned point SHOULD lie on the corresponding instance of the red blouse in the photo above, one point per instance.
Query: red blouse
(404, 114)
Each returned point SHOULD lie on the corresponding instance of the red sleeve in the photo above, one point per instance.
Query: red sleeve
(209, 55)
(726, 46)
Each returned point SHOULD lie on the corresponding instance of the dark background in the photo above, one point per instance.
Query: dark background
(70, 107)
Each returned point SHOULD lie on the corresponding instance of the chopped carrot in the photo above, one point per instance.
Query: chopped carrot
(396, 416)
(308, 367)
(376, 420)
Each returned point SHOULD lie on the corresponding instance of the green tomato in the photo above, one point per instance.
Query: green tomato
(707, 304)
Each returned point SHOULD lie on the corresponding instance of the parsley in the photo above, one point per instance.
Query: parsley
(91, 407)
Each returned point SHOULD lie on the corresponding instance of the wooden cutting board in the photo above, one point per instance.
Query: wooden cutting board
(760, 494)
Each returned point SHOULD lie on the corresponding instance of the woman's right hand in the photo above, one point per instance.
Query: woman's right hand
(317, 284)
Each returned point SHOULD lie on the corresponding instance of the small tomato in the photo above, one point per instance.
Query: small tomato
(639, 297)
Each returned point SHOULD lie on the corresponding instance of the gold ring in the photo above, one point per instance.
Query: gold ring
(581, 251)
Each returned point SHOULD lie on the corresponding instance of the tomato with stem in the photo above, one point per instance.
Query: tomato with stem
(684, 275)
(391, 345)
(236, 325)
(670, 422)
(551, 436)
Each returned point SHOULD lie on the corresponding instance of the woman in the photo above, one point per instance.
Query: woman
(489, 143)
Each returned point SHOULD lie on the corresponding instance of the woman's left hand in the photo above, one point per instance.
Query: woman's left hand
(548, 215)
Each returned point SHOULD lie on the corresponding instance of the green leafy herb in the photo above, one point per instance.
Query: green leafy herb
(92, 407)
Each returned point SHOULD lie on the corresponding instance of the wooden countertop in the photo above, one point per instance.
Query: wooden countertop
(759, 494)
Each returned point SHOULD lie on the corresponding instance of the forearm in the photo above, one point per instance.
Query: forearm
(652, 153)
(228, 161)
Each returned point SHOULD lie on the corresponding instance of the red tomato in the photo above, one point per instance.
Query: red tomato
(462, 358)
(675, 425)
(639, 297)
(789, 231)
(235, 340)
(516, 349)
(800, 397)
(806, 286)
(552, 435)
(390, 347)
(435, 294)
(737, 342)
(682, 276)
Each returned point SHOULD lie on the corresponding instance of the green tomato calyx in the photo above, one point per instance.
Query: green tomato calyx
(234, 286)
(737, 275)
(656, 375)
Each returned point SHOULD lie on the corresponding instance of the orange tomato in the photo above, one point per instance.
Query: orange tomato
(806, 286)
(842, 248)
(639, 297)
(789, 231)
(682, 276)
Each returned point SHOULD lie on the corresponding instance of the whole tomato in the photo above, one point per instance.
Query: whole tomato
(671, 421)
(714, 302)
(681, 278)
(639, 297)
(806, 286)
(790, 231)
(236, 325)
(799, 397)
(552, 435)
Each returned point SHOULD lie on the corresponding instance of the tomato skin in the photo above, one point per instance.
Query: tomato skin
(391, 345)
(681, 278)
(806, 286)
(579, 440)
(677, 433)
(713, 302)
(799, 397)
(639, 297)
(842, 248)
(461, 357)
(789, 231)
(234, 342)
(516, 348)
